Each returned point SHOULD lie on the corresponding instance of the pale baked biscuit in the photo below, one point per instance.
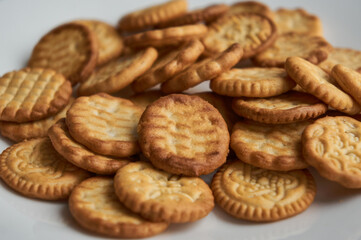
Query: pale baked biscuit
(331, 145)
(172, 36)
(169, 64)
(286, 108)
(34, 169)
(203, 70)
(95, 206)
(312, 48)
(250, 7)
(106, 125)
(21, 131)
(252, 82)
(298, 21)
(70, 49)
(183, 134)
(119, 73)
(152, 16)
(253, 32)
(318, 83)
(79, 155)
(32, 93)
(274, 147)
(348, 57)
(161, 196)
(261, 195)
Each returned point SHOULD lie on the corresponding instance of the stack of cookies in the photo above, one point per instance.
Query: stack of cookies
(131, 164)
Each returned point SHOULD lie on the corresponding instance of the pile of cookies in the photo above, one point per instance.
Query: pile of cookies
(130, 166)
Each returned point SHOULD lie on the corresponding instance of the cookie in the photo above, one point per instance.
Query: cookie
(286, 108)
(161, 196)
(32, 94)
(145, 98)
(250, 7)
(252, 82)
(275, 147)
(105, 124)
(172, 36)
(70, 49)
(331, 146)
(183, 134)
(119, 73)
(34, 169)
(95, 206)
(318, 83)
(79, 155)
(21, 131)
(348, 57)
(261, 195)
(110, 43)
(298, 21)
(314, 49)
(203, 70)
(253, 32)
(151, 16)
(168, 65)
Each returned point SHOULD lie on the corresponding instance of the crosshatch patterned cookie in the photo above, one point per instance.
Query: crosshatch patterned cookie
(252, 82)
(348, 57)
(70, 49)
(106, 125)
(274, 147)
(183, 134)
(34, 169)
(79, 155)
(32, 94)
(318, 83)
(161, 196)
(250, 7)
(253, 32)
(261, 195)
(286, 108)
(118, 73)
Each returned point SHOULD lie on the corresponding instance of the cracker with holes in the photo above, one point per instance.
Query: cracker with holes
(250, 7)
(70, 49)
(106, 125)
(34, 169)
(32, 94)
(331, 145)
(183, 134)
(261, 195)
(161, 196)
(348, 57)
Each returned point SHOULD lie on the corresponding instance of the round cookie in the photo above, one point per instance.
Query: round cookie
(95, 206)
(250, 7)
(32, 94)
(183, 134)
(34, 169)
(160, 196)
(105, 124)
(261, 195)
(348, 57)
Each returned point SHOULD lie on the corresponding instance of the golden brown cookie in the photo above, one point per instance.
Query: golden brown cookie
(253, 32)
(348, 57)
(172, 36)
(34, 169)
(331, 145)
(312, 48)
(275, 147)
(95, 206)
(70, 49)
(161, 196)
(318, 83)
(183, 134)
(79, 155)
(203, 70)
(252, 82)
(169, 64)
(32, 94)
(250, 7)
(261, 195)
(106, 125)
(119, 73)
(286, 108)
(145, 98)
(152, 16)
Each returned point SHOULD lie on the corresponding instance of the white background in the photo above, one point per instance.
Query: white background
(335, 213)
